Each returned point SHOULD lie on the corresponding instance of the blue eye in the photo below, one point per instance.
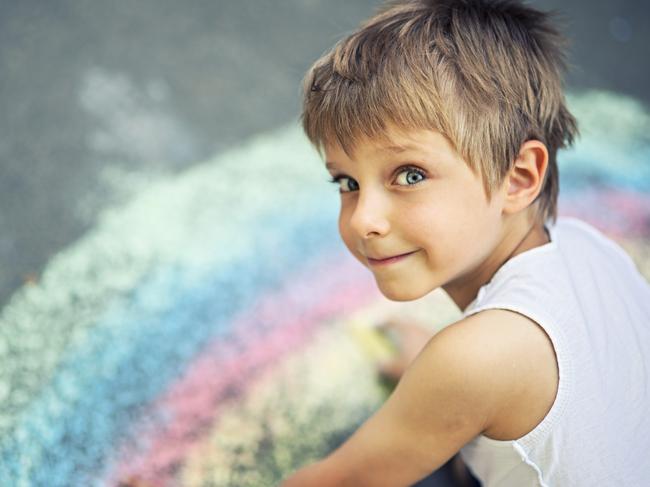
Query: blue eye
(345, 183)
(410, 176)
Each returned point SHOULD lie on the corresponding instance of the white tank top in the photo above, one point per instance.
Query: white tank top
(589, 297)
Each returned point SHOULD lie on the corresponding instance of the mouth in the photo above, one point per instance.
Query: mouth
(389, 260)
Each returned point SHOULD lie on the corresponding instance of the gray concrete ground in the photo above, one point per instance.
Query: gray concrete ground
(97, 98)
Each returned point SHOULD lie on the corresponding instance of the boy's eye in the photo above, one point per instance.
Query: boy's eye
(345, 183)
(409, 177)
(406, 177)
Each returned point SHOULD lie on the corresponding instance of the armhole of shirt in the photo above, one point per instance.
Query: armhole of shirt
(565, 381)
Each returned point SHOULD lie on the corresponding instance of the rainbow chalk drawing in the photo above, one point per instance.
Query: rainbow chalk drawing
(213, 331)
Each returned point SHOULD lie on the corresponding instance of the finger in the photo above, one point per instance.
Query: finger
(372, 341)
(394, 335)
(393, 369)
(396, 323)
(393, 324)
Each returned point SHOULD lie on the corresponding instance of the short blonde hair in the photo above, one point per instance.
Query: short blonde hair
(487, 74)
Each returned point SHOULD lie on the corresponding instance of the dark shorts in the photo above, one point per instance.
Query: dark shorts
(446, 477)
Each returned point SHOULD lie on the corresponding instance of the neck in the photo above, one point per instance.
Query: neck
(523, 236)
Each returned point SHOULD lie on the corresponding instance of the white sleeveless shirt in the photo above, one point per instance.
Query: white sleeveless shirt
(588, 296)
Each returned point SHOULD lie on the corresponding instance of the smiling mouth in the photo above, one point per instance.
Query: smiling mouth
(389, 260)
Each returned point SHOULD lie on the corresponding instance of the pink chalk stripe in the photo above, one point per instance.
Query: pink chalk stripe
(618, 213)
(281, 323)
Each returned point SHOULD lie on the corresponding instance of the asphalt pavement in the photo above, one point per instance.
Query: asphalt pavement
(99, 98)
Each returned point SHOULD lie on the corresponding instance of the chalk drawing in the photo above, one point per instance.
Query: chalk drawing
(199, 334)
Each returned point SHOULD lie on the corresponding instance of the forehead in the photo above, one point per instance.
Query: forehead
(423, 142)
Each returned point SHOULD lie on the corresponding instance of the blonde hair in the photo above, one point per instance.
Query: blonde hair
(487, 74)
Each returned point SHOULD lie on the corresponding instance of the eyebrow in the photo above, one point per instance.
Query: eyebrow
(330, 165)
(398, 149)
(395, 149)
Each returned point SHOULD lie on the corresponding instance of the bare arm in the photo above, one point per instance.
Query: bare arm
(475, 376)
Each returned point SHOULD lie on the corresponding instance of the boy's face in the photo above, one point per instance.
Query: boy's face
(414, 213)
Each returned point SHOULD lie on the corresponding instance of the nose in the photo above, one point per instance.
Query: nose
(369, 217)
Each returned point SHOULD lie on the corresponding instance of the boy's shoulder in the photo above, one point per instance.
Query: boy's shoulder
(501, 360)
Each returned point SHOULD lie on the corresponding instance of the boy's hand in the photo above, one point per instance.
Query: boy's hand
(409, 339)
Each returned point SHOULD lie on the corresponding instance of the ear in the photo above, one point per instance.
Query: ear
(526, 177)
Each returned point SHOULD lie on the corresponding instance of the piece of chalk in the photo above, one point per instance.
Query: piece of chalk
(372, 341)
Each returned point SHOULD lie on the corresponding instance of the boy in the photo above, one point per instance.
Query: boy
(440, 122)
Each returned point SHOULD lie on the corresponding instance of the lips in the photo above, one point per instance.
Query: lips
(389, 260)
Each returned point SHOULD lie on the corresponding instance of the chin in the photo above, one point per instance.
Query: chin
(402, 293)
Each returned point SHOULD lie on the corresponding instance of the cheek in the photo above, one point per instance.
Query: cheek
(420, 225)
(343, 223)
(472, 225)
(343, 229)
(453, 226)
(346, 233)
